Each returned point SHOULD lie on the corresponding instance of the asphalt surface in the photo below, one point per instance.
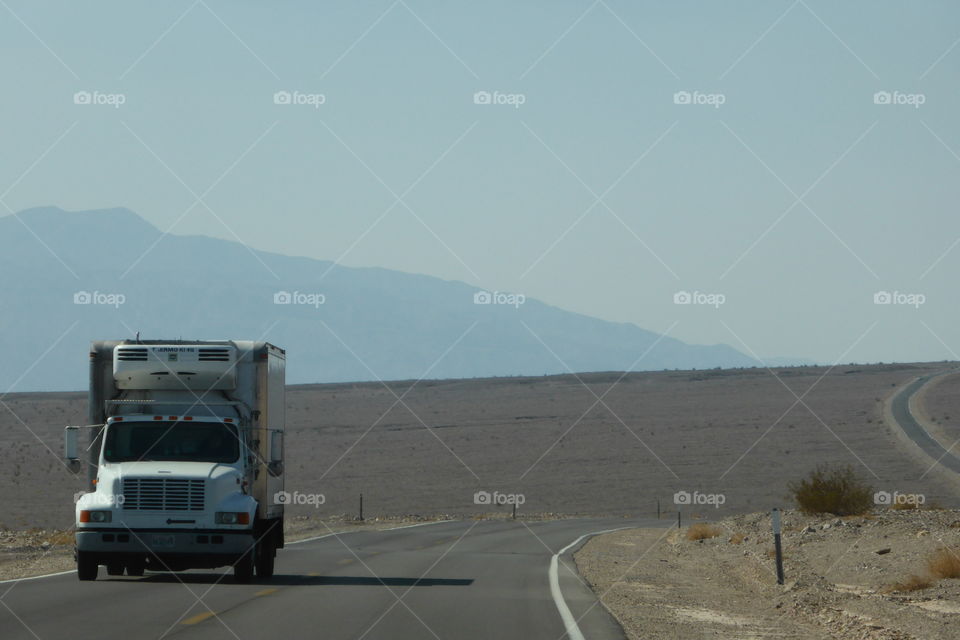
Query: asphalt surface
(900, 407)
(460, 580)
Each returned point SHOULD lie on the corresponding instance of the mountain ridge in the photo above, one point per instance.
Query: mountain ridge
(362, 323)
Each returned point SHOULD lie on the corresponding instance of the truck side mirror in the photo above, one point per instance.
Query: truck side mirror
(276, 453)
(276, 446)
(70, 448)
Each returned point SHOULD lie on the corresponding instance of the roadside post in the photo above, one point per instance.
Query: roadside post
(775, 516)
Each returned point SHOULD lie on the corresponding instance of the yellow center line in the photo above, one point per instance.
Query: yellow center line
(266, 592)
(345, 561)
(199, 617)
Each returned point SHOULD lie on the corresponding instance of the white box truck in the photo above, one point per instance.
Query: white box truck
(185, 458)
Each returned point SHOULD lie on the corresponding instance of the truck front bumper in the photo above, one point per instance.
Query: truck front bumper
(159, 543)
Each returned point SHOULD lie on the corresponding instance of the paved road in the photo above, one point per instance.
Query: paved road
(900, 408)
(456, 580)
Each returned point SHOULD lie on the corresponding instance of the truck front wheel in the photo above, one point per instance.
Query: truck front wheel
(243, 568)
(87, 567)
(266, 555)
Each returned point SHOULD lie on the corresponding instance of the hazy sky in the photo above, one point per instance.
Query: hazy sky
(788, 189)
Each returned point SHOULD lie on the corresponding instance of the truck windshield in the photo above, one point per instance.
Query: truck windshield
(165, 440)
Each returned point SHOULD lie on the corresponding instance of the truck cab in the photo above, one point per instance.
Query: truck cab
(186, 458)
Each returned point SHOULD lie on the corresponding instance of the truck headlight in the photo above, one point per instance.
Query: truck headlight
(95, 516)
(231, 517)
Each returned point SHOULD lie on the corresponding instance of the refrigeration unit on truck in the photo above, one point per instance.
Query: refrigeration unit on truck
(185, 458)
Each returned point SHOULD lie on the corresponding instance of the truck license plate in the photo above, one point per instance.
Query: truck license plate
(163, 541)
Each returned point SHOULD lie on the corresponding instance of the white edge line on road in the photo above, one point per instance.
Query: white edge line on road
(339, 533)
(46, 575)
(569, 622)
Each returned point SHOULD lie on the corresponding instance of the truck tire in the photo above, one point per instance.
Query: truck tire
(114, 568)
(243, 568)
(136, 567)
(266, 555)
(87, 567)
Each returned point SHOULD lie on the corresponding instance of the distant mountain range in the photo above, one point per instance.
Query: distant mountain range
(65, 286)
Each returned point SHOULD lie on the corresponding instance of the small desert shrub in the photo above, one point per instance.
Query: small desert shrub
(737, 538)
(702, 531)
(913, 583)
(945, 563)
(832, 490)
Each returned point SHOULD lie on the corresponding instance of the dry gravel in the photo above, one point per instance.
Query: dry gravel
(35, 552)
(661, 585)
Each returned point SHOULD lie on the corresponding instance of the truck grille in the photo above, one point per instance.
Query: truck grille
(162, 494)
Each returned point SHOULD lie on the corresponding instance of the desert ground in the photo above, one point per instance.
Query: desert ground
(424, 449)
(846, 578)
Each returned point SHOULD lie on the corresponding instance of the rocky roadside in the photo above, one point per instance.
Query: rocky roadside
(847, 578)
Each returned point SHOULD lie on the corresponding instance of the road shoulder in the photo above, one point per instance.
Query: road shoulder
(661, 585)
